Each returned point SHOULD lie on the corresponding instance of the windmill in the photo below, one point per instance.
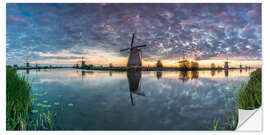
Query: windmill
(134, 59)
(80, 62)
(27, 63)
(226, 64)
(83, 62)
(240, 66)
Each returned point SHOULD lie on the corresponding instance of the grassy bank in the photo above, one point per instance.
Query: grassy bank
(18, 94)
(19, 113)
(249, 97)
(250, 94)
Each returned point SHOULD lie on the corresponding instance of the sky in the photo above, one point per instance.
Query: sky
(63, 33)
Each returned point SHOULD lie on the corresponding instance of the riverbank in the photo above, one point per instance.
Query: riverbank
(250, 94)
(18, 94)
(249, 97)
(155, 68)
(19, 103)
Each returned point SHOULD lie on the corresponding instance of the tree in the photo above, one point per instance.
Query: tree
(110, 65)
(194, 65)
(213, 66)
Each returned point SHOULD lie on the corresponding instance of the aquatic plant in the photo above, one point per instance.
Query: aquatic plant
(229, 124)
(249, 97)
(45, 101)
(250, 94)
(215, 127)
(42, 120)
(34, 111)
(70, 105)
(19, 110)
(18, 94)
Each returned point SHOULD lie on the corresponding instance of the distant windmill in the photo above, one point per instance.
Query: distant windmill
(134, 59)
(27, 62)
(226, 64)
(83, 62)
(241, 66)
(80, 62)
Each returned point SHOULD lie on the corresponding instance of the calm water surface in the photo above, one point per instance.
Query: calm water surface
(103, 100)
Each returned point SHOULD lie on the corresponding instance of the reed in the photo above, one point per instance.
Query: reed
(250, 94)
(249, 97)
(229, 123)
(19, 106)
(18, 95)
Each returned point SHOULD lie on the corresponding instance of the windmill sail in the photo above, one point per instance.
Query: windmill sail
(134, 59)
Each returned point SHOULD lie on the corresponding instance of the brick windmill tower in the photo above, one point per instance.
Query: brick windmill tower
(134, 59)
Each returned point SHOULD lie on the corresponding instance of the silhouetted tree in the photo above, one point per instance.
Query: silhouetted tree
(213, 66)
(110, 65)
(194, 65)
(184, 65)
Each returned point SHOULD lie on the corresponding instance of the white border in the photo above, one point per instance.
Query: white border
(266, 59)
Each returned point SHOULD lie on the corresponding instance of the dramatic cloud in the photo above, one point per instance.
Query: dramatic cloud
(201, 31)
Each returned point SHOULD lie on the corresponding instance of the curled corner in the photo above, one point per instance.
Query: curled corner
(246, 120)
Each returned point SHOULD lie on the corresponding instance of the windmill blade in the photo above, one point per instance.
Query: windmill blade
(140, 46)
(124, 49)
(132, 41)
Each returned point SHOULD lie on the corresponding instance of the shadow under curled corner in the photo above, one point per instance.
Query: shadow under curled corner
(249, 120)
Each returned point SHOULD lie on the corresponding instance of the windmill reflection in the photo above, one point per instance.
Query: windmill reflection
(226, 73)
(159, 74)
(110, 73)
(27, 71)
(188, 75)
(213, 72)
(134, 78)
(83, 73)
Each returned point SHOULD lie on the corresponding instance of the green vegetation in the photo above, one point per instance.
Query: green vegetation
(229, 123)
(250, 94)
(249, 97)
(19, 105)
(186, 65)
(70, 105)
(18, 101)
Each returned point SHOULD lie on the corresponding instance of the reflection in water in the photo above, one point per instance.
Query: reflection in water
(170, 103)
(134, 78)
(187, 75)
(27, 71)
(226, 73)
(83, 74)
(110, 73)
(159, 74)
(213, 72)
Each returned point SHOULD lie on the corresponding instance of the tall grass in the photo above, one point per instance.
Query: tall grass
(250, 94)
(18, 93)
(249, 97)
(19, 106)
(229, 123)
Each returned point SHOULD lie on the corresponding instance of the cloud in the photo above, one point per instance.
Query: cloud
(180, 28)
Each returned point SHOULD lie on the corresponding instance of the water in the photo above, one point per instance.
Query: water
(103, 100)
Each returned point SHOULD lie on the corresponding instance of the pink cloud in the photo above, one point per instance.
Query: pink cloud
(17, 19)
(186, 22)
(252, 12)
(223, 13)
